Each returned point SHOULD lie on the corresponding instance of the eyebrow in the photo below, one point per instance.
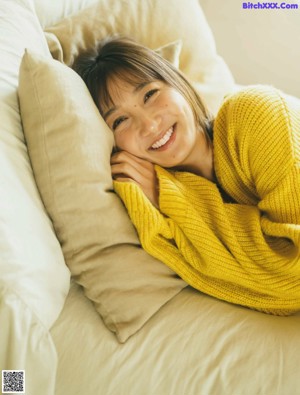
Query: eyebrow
(138, 88)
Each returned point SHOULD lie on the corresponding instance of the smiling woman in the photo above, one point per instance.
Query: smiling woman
(155, 113)
(156, 123)
(217, 201)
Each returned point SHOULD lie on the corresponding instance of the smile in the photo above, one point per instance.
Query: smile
(165, 138)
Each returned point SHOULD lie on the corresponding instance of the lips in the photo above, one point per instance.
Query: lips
(163, 140)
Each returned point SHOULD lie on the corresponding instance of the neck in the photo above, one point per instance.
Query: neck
(201, 164)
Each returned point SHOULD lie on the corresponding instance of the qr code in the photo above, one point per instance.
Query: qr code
(13, 381)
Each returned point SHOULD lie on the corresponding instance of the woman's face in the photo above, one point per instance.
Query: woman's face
(153, 121)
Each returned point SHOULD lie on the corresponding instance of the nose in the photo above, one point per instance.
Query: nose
(149, 123)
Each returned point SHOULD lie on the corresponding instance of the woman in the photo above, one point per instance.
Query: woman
(217, 201)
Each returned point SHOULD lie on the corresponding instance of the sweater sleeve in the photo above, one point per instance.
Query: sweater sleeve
(259, 163)
(256, 139)
(245, 253)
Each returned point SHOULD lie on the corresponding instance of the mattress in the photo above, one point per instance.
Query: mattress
(194, 345)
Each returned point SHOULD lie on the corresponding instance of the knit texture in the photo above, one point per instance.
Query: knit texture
(246, 252)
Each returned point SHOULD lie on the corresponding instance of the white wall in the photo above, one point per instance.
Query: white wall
(259, 45)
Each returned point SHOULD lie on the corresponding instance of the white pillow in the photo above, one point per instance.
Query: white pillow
(50, 12)
(34, 280)
(153, 23)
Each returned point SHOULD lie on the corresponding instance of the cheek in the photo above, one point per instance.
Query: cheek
(188, 113)
(119, 140)
(125, 141)
(179, 104)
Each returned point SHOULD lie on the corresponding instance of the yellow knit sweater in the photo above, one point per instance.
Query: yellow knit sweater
(247, 252)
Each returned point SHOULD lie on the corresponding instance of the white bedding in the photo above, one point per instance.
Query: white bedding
(195, 345)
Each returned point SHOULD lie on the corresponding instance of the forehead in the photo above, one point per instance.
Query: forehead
(118, 88)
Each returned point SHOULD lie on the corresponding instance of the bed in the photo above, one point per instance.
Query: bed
(83, 309)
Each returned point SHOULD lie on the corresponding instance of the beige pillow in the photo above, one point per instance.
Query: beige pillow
(169, 51)
(69, 146)
(152, 23)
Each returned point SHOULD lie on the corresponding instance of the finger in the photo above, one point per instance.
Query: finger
(145, 178)
(124, 179)
(121, 156)
(125, 169)
(126, 156)
(144, 167)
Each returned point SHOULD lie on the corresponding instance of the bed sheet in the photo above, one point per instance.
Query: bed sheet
(195, 345)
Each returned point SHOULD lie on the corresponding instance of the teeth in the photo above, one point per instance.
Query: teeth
(164, 139)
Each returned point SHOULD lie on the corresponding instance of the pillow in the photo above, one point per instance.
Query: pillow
(170, 51)
(32, 267)
(34, 280)
(152, 23)
(70, 146)
(50, 12)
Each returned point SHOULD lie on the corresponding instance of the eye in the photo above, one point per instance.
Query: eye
(149, 94)
(117, 122)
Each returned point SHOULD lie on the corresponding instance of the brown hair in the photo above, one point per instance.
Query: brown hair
(135, 63)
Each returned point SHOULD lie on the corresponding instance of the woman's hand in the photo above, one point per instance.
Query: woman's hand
(127, 167)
